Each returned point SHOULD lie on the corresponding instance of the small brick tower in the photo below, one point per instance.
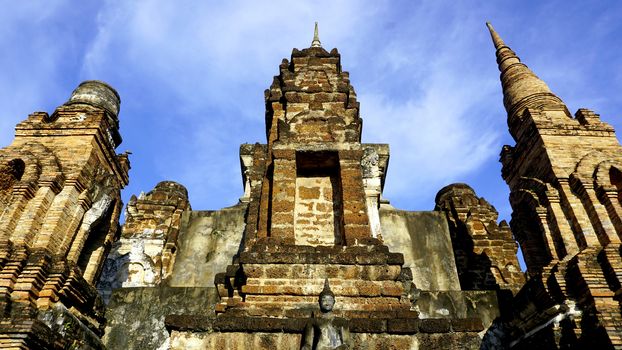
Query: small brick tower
(60, 183)
(564, 175)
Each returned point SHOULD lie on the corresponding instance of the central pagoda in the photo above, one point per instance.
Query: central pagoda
(313, 194)
(311, 204)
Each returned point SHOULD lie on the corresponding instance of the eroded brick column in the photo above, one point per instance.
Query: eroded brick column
(73, 227)
(577, 215)
(614, 209)
(283, 195)
(12, 213)
(559, 224)
(541, 212)
(355, 219)
(33, 215)
(598, 215)
(259, 205)
(485, 250)
(60, 218)
(96, 259)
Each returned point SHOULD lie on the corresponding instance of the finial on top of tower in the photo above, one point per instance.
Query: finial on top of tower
(521, 87)
(496, 39)
(316, 38)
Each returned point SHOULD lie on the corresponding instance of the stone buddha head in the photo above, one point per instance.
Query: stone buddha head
(327, 298)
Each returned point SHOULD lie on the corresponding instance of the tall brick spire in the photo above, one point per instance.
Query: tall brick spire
(565, 214)
(521, 87)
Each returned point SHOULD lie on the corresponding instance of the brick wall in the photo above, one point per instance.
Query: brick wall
(317, 212)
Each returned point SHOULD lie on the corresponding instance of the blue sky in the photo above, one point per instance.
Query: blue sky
(191, 76)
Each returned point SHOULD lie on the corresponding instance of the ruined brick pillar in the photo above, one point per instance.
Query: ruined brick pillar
(144, 255)
(60, 183)
(485, 250)
(562, 175)
(282, 202)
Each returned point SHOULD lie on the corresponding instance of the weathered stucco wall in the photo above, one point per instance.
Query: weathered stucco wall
(207, 243)
(481, 304)
(209, 239)
(423, 238)
(136, 315)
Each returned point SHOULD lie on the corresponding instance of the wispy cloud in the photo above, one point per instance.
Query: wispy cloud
(198, 73)
(26, 81)
(42, 46)
(435, 117)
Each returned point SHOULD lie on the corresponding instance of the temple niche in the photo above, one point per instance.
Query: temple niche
(318, 208)
(10, 173)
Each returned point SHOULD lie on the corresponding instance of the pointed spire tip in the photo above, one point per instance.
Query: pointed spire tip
(316, 38)
(496, 39)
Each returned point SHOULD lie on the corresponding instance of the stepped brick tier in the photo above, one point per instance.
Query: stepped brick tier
(312, 229)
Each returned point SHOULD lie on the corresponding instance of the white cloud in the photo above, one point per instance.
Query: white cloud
(433, 139)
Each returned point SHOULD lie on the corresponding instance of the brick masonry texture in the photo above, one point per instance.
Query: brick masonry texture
(249, 276)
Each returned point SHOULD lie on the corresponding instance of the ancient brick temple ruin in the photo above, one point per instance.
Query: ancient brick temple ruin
(312, 221)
